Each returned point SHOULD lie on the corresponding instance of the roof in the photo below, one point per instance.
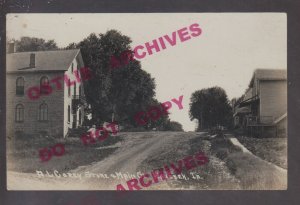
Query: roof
(269, 74)
(58, 60)
(249, 101)
(241, 110)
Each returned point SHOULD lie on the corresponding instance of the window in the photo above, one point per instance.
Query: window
(79, 117)
(44, 85)
(69, 87)
(43, 112)
(19, 113)
(72, 67)
(69, 113)
(20, 86)
(74, 88)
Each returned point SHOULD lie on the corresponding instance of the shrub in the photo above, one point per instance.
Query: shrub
(222, 153)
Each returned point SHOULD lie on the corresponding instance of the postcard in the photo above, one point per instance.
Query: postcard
(146, 101)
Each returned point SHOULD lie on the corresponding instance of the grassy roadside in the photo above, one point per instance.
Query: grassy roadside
(273, 150)
(23, 155)
(228, 167)
(213, 175)
(255, 173)
(252, 172)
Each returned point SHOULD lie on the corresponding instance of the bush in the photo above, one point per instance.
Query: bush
(173, 126)
(222, 153)
(222, 147)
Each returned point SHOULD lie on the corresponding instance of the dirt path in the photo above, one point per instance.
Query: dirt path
(238, 144)
(148, 151)
(254, 172)
(135, 148)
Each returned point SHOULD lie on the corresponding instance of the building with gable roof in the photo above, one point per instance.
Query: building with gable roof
(262, 110)
(52, 114)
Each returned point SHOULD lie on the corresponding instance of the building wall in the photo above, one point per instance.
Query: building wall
(255, 88)
(76, 64)
(273, 99)
(31, 124)
(248, 94)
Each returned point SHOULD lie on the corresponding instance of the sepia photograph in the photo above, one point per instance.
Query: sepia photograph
(146, 101)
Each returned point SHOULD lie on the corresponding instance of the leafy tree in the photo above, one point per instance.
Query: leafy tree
(34, 44)
(162, 122)
(211, 108)
(114, 94)
(72, 46)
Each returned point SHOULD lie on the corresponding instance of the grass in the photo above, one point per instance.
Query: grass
(230, 168)
(273, 150)
(252, 172)
(23, 155)
(213, 175)
(221, 147)
(256, 174)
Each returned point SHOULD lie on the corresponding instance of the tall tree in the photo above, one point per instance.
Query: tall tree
(114, 94)
(163, 120)
(34, 44)
(210, 107)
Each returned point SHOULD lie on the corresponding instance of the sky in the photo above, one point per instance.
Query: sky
(230, 47)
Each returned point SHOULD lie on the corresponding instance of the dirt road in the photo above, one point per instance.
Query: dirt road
(133, 150)
(140, 153)
(136, 148)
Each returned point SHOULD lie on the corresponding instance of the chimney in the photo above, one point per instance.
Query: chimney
(10, 47)
(32, 60)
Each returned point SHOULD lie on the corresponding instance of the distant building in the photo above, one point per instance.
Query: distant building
(50, 114)
(262, 110)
